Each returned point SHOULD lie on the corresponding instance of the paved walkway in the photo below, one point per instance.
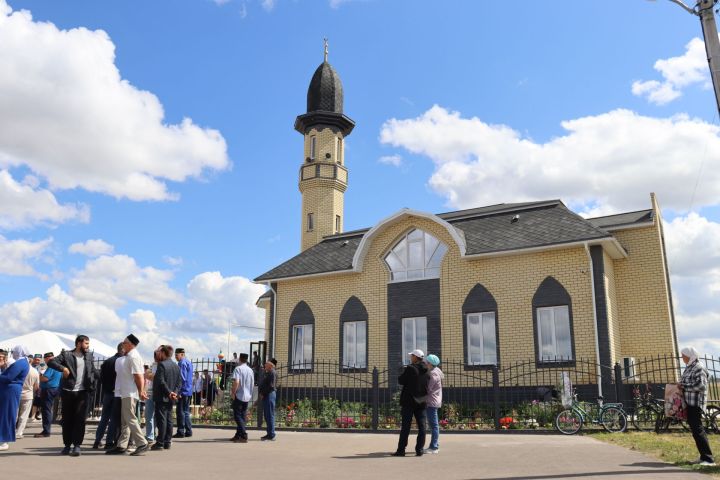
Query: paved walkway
(209, 456)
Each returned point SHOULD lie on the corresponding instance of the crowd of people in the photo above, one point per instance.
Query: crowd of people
(125, 383)
(26, 388)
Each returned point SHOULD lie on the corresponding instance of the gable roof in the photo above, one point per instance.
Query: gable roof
(623, 220)
(486, 231)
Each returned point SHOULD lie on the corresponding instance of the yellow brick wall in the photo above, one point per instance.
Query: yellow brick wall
(326, 141)
(512, 280)
(612, 309)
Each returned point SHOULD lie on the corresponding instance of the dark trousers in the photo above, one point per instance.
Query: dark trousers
(407, 416)
(240, 412)
(74, 413)
(268, 403)
(184, 427)
(694, 419)
(163, 422)
(47, 398)
(106, 419)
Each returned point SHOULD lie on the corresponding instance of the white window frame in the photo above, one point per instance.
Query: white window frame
(313, 147)
(338, 220)
(488, 316)
(298, 360)
(360, 357)
(554, 341)
(403, 274)
(409, 348)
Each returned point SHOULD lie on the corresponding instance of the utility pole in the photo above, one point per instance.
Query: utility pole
(705, 10)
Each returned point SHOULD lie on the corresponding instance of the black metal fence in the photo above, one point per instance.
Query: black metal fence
(520, 395)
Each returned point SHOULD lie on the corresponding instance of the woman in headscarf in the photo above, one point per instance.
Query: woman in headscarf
(11, 382)
(694, 385)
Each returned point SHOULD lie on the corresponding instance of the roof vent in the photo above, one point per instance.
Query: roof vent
(515, 218)
(345, 243)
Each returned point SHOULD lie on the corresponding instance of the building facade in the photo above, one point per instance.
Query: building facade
(486, 286)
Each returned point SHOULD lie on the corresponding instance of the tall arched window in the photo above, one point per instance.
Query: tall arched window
(301, 338)
(552, 316)
(416, 256)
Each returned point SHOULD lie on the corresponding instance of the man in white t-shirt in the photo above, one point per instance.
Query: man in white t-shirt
(130, 387)
(242, 390)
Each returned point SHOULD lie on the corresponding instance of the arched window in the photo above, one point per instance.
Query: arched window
(353, 335)
(552, 316)
(416, 256)
(301, 339)
(480, 327)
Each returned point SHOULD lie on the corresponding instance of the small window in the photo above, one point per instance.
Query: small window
(355, 344)
(414, 336)
(310, 222)
(337, 224)
(418, 255)
(481, 341)
(555, 342)
(302, 344)
(312, 148)
(340, 152)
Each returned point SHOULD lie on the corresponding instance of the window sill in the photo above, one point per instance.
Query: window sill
(353, 370)
(483, 366)
(554, 364)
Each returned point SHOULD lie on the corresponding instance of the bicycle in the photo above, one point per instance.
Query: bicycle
(611, 416)
(647, 409)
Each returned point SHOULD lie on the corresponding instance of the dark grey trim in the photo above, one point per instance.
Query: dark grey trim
(339, 120)
(676, 347)
(420, 298)
(601, 311)
(271, 327)
(478, 300)
(551, 293)
(354, 311)
(301, 315)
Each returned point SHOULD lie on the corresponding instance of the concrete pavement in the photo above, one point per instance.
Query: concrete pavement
(208, 455)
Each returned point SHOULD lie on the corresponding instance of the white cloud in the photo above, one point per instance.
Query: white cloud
(394, 160)
(678, 73)
(23, 205)
(220, 2)
(218, 300)
(59, 312)
(173, 261)
(15, 256)
(115, 280)
(92, 248)
(70, 117)
(268, 5)
(608, 162)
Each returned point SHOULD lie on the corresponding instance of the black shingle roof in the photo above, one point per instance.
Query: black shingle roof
(622, 219)
(486, 230)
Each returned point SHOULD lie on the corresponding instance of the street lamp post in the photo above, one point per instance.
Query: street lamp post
(705, 10)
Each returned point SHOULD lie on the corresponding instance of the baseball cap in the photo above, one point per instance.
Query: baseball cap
(433, 360)
(417, 353)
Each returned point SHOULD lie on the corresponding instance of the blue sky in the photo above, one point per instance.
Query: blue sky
(457, 104)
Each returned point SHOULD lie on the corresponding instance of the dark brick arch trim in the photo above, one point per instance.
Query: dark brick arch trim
(301, 315)
(551, 293)
(478, 300)
(354, 311)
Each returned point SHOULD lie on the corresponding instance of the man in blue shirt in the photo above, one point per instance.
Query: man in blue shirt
(49, 389)
(184, 427)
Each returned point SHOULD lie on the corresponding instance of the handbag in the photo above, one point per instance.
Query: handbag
(675, 406)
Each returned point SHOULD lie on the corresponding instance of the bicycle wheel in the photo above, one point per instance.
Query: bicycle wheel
(613, 419)
(644, 418)
(568, 422)
(711, 416)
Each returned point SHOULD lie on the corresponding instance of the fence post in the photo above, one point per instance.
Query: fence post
(618, 382)
(375, 398)
(496, 396)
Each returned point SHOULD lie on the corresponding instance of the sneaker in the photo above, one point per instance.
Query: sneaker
(156, 447)
(267, 438)
(706, 463)
(109, 446)
(432, 450)
(179, 435)
(4, 446)
(96, 445)
(41, 435)
(65, 451)
(167, 446)
(419, 453)
(116, 451)
(75, 452)
(398, 454)
(18, 437)
(140, 450)
(188, 435)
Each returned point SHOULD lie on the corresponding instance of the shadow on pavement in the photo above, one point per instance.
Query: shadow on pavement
(359, 456)
(585, 474)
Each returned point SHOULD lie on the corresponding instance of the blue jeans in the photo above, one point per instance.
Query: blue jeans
(269, 413)
(47, 398)
(184, 427)
(106, 419)
(150, 419)
(240, 413)
(432, 418)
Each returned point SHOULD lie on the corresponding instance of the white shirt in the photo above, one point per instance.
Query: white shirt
(125, 382)
(79, 371)
(246, 381)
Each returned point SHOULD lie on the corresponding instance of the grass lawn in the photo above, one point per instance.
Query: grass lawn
(677, 448)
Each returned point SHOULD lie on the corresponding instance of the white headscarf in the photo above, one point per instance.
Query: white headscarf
(20, 351)
(691, 353)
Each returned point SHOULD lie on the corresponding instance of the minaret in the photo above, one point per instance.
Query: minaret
(323, 176)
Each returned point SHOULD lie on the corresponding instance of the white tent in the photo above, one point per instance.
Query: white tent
(44, 341)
